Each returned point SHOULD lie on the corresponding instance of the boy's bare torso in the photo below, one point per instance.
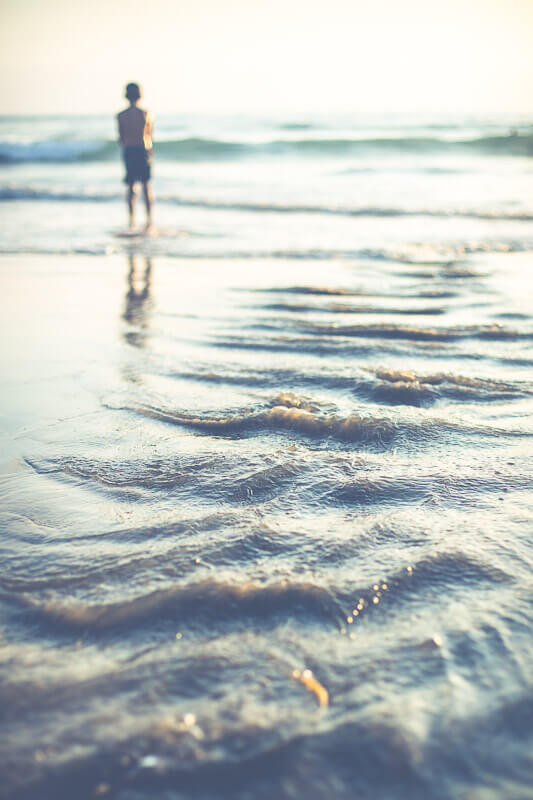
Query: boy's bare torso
(135, 128)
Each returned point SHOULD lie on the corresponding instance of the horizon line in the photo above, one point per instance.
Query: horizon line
(279, 112)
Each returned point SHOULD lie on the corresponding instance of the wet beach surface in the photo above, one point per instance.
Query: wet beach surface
(266, 526)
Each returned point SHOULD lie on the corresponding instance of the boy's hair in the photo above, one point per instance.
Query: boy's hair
(133, 92)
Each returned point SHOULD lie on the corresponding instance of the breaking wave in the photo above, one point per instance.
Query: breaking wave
(204, 149)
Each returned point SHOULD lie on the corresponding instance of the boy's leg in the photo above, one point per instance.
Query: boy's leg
(131, 203)
(148, 202)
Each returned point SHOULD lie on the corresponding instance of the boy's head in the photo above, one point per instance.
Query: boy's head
(133, 92)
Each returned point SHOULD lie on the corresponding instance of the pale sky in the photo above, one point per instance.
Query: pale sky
(268, 55)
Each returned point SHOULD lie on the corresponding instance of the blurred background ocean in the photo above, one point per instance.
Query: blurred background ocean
(297, 186)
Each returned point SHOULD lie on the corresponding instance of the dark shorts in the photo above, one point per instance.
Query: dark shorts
(137, 161)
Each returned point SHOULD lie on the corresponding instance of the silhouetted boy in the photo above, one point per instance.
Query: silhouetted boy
(135, 134)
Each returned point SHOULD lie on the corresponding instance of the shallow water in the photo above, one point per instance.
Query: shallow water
(378, 187)
(266, 477)
(218, 475)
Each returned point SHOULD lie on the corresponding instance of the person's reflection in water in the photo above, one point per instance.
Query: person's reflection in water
(138, 302)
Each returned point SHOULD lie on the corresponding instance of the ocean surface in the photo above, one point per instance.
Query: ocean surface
(265, 484)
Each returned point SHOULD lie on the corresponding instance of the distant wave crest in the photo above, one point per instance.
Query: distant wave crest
(205, 149)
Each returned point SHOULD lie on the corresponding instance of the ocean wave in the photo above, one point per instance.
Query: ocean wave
(373, 432)
(212, 600)
(239, 481)
(513, 144)
(298, 126)
(449, 570)
(458, 490)
(442, 261)
(447, 255)
(206, 149)
(340, 291)
(343, 308)
(411, 388)
(385, 386)
(444, 257)
(56, 151)
(21, 193)
(205, 600)
(355, 429)
(493, 332)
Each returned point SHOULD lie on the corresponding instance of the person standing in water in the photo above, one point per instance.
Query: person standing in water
(135, 135)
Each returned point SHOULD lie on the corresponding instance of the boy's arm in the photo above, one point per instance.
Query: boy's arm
(148, 129)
